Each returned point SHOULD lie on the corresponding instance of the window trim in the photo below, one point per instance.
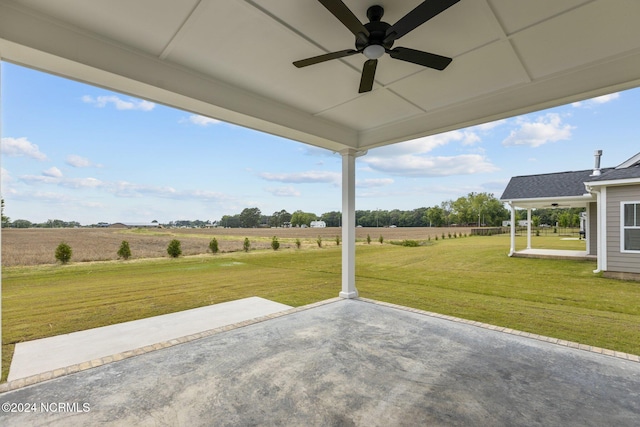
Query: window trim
(623, 227)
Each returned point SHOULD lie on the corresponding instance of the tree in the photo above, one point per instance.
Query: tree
(250, 217)
(230, 221)
(125, 251)
(21, 223)
(435, 216)
(299, 218)
(174, 250)
(278, 218)
(246, 245)
(5, 219)
(275, 244)
(213, 245)
(332, 219)
(63, 253)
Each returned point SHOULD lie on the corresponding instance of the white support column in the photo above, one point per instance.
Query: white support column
(349, 224)
(513, 230)
(528, 228)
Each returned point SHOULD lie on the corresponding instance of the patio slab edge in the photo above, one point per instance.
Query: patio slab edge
(561, 342)
(72, 369)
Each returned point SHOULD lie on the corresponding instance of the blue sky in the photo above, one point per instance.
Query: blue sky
(80, 153)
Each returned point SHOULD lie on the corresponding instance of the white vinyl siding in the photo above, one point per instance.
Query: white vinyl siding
(619, 259)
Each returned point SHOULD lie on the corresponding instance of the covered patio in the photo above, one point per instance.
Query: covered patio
(348, 362)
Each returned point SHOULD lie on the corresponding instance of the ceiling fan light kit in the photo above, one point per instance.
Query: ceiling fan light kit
(376, 38)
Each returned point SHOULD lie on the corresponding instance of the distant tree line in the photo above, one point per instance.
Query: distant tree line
(474, 209)
(552, 217)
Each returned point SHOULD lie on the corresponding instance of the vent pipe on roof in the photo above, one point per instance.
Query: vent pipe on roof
(596, 169)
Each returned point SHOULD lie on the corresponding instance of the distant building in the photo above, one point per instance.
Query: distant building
(318, 224)
(134, 225)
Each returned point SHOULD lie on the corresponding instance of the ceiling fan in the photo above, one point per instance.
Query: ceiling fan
(376, 38)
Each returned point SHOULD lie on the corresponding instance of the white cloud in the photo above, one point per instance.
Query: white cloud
(78, 161)
(309, 177)
(420, 145)
(414, 165)
(53, 172)
(202, 120)
(287, 191)
(82, 183)
(597, 100)
(488, 126)
(6, 176)
(547, 128)
(118, 103)
(18, 147)
(373, 182)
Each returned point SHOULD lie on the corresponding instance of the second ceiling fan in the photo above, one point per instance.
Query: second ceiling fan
(376, 38)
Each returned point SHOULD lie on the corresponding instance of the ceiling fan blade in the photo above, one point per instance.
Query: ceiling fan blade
(419, 57)
(344, 15)
(418, 16)
(325, 57)
(368, 73)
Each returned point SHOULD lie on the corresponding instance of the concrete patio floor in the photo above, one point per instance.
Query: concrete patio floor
(346, 362)
(554, 254)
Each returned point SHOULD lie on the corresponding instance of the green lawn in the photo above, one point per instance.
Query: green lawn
(468, 277)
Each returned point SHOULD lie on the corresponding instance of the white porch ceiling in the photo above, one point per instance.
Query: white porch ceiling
(232, 60)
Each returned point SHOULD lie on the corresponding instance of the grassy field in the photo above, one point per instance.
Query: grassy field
(467, 277)
(37, 246)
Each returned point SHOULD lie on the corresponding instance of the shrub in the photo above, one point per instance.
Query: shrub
(174, 250)
(410, 243)
(246, 245)
(213, 246)
(63, 253)
(449, 235)
(274, 243)
(368, 239)
(298, 243)
(442, 236)
(436, 237)
(125, 251)
(381, 239)
(319, 241)
(338, 240)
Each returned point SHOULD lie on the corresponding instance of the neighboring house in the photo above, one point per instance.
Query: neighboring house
(318, 224)
(611, 197)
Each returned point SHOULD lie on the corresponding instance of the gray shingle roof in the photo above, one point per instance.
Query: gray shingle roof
(561, 184)
(625, 173)
(566, 184)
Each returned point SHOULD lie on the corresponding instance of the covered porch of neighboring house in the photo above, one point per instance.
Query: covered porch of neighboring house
(588, 228)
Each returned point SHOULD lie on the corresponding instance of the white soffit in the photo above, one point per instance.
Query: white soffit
(232, 60)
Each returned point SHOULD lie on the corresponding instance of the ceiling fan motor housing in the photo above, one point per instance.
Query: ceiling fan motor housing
(377, 30)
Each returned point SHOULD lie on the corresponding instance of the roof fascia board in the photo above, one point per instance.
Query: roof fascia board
(613, 182)
(585, 198)
(41, 43)
(628, 163)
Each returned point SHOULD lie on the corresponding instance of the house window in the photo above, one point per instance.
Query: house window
(631, 226)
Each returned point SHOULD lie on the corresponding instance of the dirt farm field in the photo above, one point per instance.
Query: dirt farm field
(34, 246)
